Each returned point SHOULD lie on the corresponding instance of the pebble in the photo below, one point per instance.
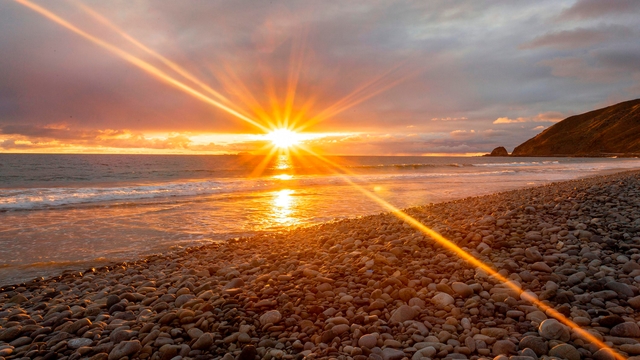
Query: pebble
(125, 348)
(535, 343)
(368, 341)
(368, 288)
(270, 317)
(442, 299)
(403, 313)
(462, 289)
(552, 329)
(565, 351)
(626, 329)
(78, 343)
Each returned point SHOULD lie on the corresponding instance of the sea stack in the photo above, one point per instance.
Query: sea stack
(499, 151)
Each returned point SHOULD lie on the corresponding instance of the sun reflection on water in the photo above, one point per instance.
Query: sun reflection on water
(283, 202)
(283, 162)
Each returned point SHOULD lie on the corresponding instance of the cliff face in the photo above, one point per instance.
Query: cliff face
(611, 130)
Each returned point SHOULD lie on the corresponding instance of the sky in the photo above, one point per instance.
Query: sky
(362, 77)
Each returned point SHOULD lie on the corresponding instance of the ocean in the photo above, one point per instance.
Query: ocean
(61, 212)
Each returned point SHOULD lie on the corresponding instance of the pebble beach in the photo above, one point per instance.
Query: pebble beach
(365, 288)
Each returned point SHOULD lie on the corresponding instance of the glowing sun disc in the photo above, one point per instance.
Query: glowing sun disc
(284, 138)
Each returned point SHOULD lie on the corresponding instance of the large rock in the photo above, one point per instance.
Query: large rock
(499, 151)
(552, 329)
(402, 314)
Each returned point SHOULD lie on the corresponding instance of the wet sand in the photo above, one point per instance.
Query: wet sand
(366, 288)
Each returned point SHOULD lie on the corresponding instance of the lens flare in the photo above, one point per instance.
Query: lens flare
(141, 64)
(284, 138)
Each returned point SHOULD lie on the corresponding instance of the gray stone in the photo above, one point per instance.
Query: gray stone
(78, 343)
(392, 354)
(535, 343)
(462, 289)
(603, 354)
(204, 342)
(552, 329)
(541, 266)
(503, 347)
(626, 329)
(402, 314)
(623, 290)
(125, 348)
(368, 341)
(442, 299)
(565, 351)
(270, 317)
(427, 352)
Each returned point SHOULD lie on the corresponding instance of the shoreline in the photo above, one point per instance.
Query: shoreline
(360, 288)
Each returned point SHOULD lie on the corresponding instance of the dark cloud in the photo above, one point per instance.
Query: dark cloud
(598, 8)
(464, 63)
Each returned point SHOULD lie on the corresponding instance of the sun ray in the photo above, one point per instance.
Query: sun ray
(448, 244)
(296, 62)
(231, 80)
(259, 169)
(143, 65)
(171, 64)
(364, 92)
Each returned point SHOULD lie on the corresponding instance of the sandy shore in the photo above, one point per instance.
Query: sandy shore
(364, 288)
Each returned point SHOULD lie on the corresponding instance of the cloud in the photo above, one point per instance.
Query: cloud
(463, 134)
(538, 128)
(602, 67)
(462, 65)
(450, 118)
(550, 116)
(584, 9)
(578, 38)
(506, 120)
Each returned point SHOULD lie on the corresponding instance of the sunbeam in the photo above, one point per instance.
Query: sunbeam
(448, 244)
(150, 69)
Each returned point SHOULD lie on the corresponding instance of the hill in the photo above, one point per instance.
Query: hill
(613, 130)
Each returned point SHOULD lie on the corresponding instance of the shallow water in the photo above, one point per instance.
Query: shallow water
(76, 211)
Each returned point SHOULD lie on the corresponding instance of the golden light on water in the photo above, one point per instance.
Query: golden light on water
(283, 177)
(282, 207)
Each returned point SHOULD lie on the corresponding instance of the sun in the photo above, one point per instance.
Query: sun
(284, 138)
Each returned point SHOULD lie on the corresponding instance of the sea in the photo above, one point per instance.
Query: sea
(74, 212)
